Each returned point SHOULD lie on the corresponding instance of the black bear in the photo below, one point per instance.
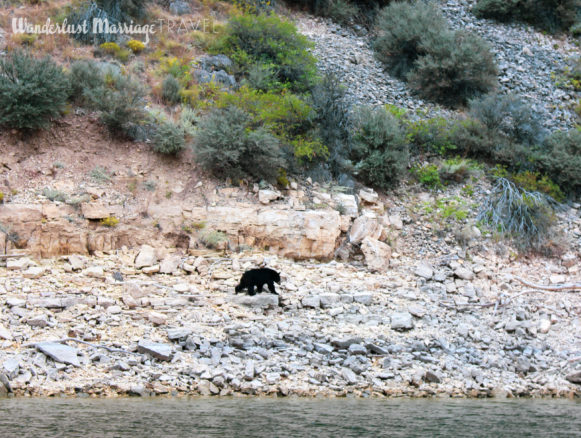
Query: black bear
(258, 278)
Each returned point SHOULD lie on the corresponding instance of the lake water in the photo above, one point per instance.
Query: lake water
(247, 417)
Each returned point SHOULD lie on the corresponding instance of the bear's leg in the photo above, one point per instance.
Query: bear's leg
(271, 288)
(251, 289)
(260, 286)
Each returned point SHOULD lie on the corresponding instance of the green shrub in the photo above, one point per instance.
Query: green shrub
(435, 134)
(415, 43)
(228, 144)
(379, 149)
(168, 138)
(525, 217)
(332, 122)
(85, 75)
(456, 68)
(121, 105)
(170, 90)
(403, 29)
(561, 160)
(32, 91)
(262, 77)
(535, 182)
(428, 175)
(510, 115)
(268, 39)
(550, 15)
(458, 169)
(214, 239)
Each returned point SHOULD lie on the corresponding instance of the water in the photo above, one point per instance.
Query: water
(245, 417)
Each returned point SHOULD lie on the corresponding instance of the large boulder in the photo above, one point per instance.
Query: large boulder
(377, 254)
(364, 226)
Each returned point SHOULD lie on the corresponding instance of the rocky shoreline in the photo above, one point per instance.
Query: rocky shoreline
(449, 326)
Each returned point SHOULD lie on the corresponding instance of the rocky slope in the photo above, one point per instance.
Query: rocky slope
(527, 59)
(452, 325)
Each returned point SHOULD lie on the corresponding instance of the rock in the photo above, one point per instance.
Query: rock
(94, 272)
(357, 349)
(170, 264)
(313, 301)
(258, 300)
(349, 376)
(329, 300)
(523, 365)
(157, 318)
(40, 321)
(376, 349)
(59, 352)
(569, 260)
(401, 321)
(156, 350)
(10, 367)
(544, 325)
(266, 196)
(368, 196)
(179, 8)
(18, 264)
(366, 299)
(216, 62)
(347, 204)
(364, 226)
(424, 271)
(377, 254)
(77, 262)
(249, 370)
(96, 210)
(5, 333)
(134, 290)
(150, 269)
(574, 377)
(176, 334)
(206, 388)
(346, 343)
(130, 302)
(417, 310)
(396, 222)
(464, 274)
(34, 272)
(5, 388)
(432, 377)
(323, 348)
(146, 257)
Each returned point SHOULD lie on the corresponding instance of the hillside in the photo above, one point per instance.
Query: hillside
(139, 181)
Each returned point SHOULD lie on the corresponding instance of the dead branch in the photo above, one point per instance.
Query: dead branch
(556, 288)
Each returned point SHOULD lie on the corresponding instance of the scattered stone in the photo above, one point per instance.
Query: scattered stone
(176, 334)
(134, 290)
(5, 333)
(34, 272)
(574, 377)
(40, 321)
(146, 257)
(60, 352)
(249, 370)
(364, 226)
(170, 264)
(179, 8)
(18, 264)
(544, 325)
(77, 262)
(368, 196)
(258, 300)
(357, 349)
(150, 269)
(157, 318)
(424, 271)
(349, 376)
(329, 301)
(313, 301)
(402, 321)
(417, 310)
(10, 367)
(5, 388)
(156, 350)
(266, 196)
(94, 272)
(432, 377)
(377, 254)
(464, 274)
